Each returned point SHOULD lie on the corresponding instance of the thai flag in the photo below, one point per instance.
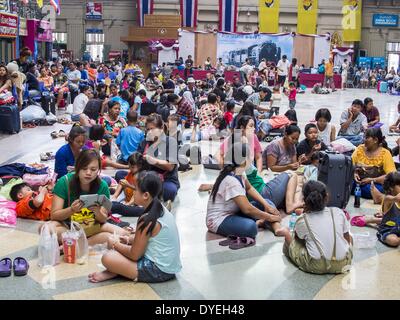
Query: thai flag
(228, 12)
(56, 5)
(144, 7)
(189, 13)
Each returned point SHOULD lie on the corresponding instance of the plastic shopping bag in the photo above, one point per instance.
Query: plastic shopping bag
(82, 246)
(49, 250)
(115, 152)
(31, 113)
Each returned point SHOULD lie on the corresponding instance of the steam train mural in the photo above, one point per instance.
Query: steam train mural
(267, 50)
(234, 49)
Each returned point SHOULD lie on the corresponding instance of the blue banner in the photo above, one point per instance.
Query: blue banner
(385, 20)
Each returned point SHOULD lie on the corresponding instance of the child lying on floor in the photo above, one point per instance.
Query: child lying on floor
(30, 204)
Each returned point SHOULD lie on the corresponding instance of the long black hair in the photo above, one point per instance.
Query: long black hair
(315, 196)
(75, 132)
(234, 158)
(84, 159)
(376, 133)
(148, 181)
(243, 122)
(137, 159)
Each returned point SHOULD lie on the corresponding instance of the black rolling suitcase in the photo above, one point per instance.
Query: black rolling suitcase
(10, 120)
(337, 172)
(48, 104)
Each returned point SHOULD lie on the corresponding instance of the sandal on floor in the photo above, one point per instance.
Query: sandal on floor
(358, 221)
(21, 267)
(242, 242)
(229, 240)
(5, 267)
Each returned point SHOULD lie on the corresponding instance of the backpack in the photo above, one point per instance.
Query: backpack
(321, 69)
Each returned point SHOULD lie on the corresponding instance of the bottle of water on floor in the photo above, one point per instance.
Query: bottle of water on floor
(292, 221)
(357, 196)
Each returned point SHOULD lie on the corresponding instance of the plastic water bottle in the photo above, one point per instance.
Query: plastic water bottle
(357, 196)
(292, 221)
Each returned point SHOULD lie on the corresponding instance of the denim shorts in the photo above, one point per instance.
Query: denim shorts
(265, 126)
(148, 272)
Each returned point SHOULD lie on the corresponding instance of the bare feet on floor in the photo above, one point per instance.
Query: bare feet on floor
(101, 276)
(376, 194)
(296, 206)
(284, 232)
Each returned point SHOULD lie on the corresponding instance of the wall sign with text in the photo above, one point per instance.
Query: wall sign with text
(385, 20)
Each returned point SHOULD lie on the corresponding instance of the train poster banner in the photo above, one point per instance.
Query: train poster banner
(235, 48)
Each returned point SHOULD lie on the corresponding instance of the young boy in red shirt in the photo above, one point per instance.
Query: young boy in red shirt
(228, 116)
(291, 93)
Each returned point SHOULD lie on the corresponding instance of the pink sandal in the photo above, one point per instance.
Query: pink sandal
(358, 221)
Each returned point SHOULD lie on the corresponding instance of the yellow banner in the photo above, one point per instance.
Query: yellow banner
(307, 14)
(351, 21)
(268, 16)
(40, 3)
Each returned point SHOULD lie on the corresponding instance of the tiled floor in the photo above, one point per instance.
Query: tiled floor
(209, 270)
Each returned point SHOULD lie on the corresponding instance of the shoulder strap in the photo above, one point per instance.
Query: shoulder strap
(313, 237)
(334, 235)
(239, 179)
(69, 197)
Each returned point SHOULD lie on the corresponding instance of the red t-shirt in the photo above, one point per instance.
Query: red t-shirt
(228, 116)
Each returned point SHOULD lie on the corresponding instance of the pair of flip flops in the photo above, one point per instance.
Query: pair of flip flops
(58, 134)
(359, 221)
(46, 156)
(19, 265)
(28, 125)
(235, 242)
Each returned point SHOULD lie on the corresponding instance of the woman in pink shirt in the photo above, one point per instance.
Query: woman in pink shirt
(245, 131)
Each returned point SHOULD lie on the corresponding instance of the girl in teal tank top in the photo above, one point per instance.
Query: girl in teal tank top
(153, 254)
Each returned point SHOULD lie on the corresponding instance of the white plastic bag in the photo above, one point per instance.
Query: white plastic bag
(32, 112)
(82, 246)
(115, 152)
(49, 250)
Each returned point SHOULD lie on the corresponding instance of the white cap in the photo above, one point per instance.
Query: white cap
(191, 80)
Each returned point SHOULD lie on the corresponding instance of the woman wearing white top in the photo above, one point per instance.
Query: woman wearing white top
(326, 131)
(345, 68)
(322, 243)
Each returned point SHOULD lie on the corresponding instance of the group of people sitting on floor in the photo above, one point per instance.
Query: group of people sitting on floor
(240, 202)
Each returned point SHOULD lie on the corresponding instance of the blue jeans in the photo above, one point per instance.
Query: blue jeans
(170, 190)
(75, 117)
(241, 225)
(355, 139)
(275, 190)
(238, 225)
(366, 190)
